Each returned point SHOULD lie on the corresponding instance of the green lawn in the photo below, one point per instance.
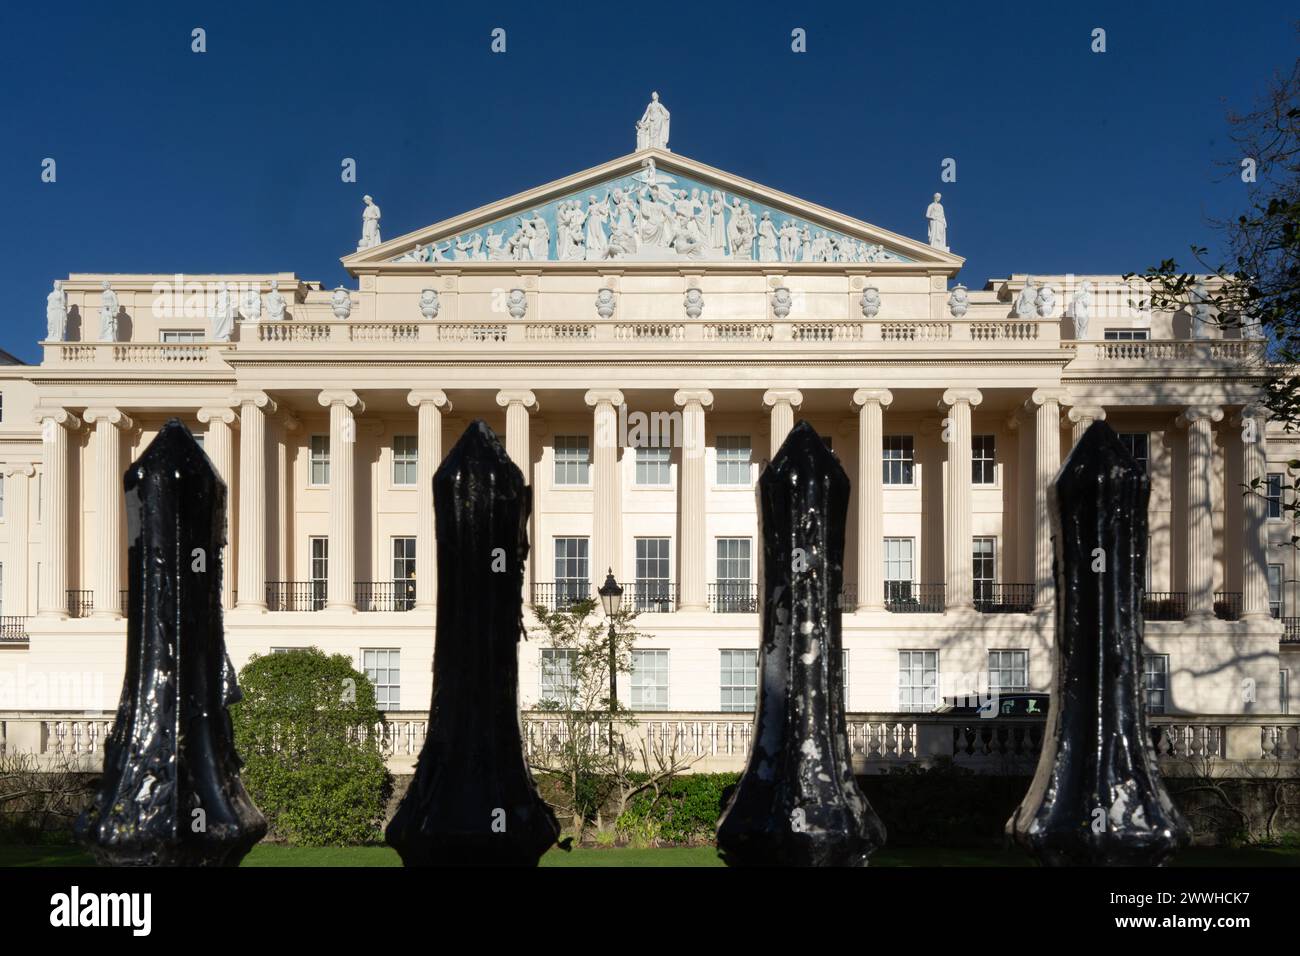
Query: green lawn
(274, 855)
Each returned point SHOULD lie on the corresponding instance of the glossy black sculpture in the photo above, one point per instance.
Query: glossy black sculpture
(797, 803)
(472, 801)
(1097, 798)
(171, 793)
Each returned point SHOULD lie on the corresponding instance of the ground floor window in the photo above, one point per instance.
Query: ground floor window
(1155, 682)
(403, 573)
(383, 668)
(1008, 671)
(558, 677)
(1275, 600)
(918, 681)
(649, 680)
(739, 680)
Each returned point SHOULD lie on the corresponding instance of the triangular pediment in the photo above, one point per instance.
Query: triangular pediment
(652, 206)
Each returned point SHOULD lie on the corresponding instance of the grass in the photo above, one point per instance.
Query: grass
(277, 855)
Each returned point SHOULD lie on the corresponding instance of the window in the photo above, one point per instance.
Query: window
(898, 569)
(572, 575)
(403, 573)
(653, 588)
(654, 466)
(1155, 682)
(383, 668)
(900, 458)
(1284, 691)
(319, 548)
(1275, 590)
(179, 336)
(983, 568)
(1008, 671)
(1273, 494)
(844, 676)
(2, 496)
(739, 681)
(1125, 335)
(2, 406)
(1138, 445)
(734, 454)
(918, 681)
(983, 462)
(734, 591)
(649, 680)
(320, 460)
(572, 460)
(406, 458)
(559, 683)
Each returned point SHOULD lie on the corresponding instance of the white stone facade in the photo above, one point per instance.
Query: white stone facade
(328, 429)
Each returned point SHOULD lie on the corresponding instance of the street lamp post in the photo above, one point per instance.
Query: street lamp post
(611, 598)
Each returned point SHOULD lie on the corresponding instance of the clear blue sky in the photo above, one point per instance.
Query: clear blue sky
(228, 161)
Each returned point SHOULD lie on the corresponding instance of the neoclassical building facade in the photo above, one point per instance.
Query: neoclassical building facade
(642, 335)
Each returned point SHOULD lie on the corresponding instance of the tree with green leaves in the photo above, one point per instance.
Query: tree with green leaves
(306, 729)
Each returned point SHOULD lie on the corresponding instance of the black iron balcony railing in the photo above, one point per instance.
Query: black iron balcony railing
(733, 597)
(650, 597)
(558, 595)
(295, 595)
(847, 599)
(1164, 606)
(1275, 609)
(908, 597)
(80, 603)
(1227, 605)
(993, 598)
(13, 628)
(385, 595)
(1291, 634)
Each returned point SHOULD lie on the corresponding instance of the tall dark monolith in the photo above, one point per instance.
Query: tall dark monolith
(797, 803)
(472, 801)
(171, 793)
(1097, 798)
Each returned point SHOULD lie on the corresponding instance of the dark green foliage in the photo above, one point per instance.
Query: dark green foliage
(685, 810)
(319, 778)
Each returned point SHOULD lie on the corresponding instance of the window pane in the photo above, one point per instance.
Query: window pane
(405, 459)
(649, 680)
(918, 680)
(383, 668)
(899, 459)
(572, 574)
(320, 459)
(1008, 671)
(1155, 682)
(654, 466)
(734, 455)
(558, 682)
(572, 459)
(739, 680)
(1138, 445)
(983, 459)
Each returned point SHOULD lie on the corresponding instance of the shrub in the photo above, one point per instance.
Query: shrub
(685, 810)
(311, 767)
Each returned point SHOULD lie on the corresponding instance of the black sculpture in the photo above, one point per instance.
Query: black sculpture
(1097, 798)
(472, 800)
(797, 803)
(171, 793)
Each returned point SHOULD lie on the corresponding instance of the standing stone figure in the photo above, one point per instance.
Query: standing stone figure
(108, 314)
(652, 128)
(221, 317)
(1027, 301)
(1081, 309)
(275, 302)
(938, 224)
(1200, 311)
(56, 313)
(369, 225)
(767, 239)
(251, 307)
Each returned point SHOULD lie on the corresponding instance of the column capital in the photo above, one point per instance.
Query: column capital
(1255, 413)
(1041, 396)
(288, 420)
(1194, 413)
(114, 416)
(971, 396)
(24, 468)
(687, 396)
(865, 396)
(1090, 413)
(60, 416)
(597, 396)
(218, 413)
(342, 396)
(790, 396)
(518, 396)
(429, 396)
(255, 397)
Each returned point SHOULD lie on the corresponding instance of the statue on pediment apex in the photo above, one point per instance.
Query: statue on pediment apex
(56, 313)
(275, 302)
(938, 224)
(369, 225)
(652, 128)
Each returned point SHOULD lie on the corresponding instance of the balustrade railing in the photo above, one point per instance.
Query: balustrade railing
(1164, 606)
(557, 595)
(1227, 605)
(1291, 630)
(385, 595)
(81, 603)
(993, 598)
(13, 628)
(650, 597)
(295, 595)
(908, 597)
(733, 597)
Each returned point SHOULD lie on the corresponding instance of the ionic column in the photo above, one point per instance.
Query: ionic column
(1199, 422)
(783, 402)
(18, 478)
(606, 488)
(218, 443)
(253, 409)
(871, 404)
(430, 404)
(344, 405)
(1082, 417)
(1252, 424)
(959, 588)
(1022, 549)
(1046, 403)
(107, 568)
(692, 539)
(519, 405)
(55, 425)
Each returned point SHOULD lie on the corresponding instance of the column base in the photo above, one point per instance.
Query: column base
(693, 608)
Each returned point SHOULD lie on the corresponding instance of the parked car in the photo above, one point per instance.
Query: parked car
(1017, 704)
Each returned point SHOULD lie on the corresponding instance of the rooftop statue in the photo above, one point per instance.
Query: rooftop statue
(221, 317)
(369, 225)
(108, 314)
(652, 128)
(275, 302)
(56, 313)
(938, 225)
